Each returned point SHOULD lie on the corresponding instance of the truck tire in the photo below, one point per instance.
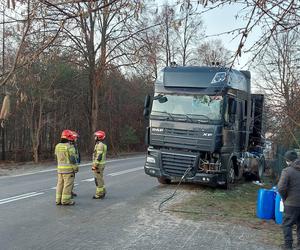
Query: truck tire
(163, 180)
(261, 168)
(230, 176)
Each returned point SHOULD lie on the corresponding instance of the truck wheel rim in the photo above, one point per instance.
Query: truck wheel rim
(231, 175)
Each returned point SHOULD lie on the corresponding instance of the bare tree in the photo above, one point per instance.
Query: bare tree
(105, 39)
(270, 16)
(279, 71)
(27, 21)
(189, 30)
(168, 19)
(213, 53)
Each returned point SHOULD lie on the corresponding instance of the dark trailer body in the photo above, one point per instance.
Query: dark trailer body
(202, 118)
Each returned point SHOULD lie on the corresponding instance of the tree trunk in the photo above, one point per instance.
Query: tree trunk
(94, 108)
(36, 154)
(36, 130)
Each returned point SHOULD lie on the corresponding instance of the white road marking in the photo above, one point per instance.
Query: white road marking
(81, 165)
(116, 173)
(125, 171)
(19, 197)
(88, 180)
(32, 194)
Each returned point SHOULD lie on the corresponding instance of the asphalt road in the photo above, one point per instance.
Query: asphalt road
(127, 218)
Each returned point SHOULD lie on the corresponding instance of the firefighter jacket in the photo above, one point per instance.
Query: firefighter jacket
(66, 158)
(99, 154)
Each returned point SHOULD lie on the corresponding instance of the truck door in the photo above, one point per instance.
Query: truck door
(230, 129)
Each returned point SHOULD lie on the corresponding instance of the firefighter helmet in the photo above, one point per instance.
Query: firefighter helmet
(100, 135)
(75, 134)
(67, 134)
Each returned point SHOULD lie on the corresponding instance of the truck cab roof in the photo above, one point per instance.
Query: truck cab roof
(204, 77)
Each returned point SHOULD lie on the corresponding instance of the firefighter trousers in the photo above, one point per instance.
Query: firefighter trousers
(65, 183)
(98, 173)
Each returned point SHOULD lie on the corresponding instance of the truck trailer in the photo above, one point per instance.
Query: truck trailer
(205, 126)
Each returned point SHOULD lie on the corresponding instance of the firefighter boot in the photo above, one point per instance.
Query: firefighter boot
(99, 196)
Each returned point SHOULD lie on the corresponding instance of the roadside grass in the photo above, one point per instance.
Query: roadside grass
(236, 206)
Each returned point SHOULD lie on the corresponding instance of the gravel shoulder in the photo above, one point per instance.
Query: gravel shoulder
(171, 229)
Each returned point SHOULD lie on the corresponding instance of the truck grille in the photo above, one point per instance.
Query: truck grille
(203, 140)
(176, 164)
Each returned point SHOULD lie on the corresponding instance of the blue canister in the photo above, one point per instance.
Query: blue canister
(265, 208)
(278, 209)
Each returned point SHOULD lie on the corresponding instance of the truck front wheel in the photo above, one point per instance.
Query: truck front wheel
(163, 180)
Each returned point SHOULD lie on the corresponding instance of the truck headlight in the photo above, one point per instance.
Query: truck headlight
(150, 159)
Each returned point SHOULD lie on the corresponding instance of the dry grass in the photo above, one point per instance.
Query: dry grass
(237, 206)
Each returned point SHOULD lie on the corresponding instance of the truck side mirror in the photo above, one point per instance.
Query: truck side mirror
(147, 102)
(146, 113)
(163, 99)
(147, 136)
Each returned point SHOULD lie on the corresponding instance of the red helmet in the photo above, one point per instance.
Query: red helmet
(67, 134)
(75, 135)
(100, 135)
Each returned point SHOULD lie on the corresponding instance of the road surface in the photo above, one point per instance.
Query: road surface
(128, 217)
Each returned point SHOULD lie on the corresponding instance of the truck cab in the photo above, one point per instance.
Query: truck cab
(200, 125)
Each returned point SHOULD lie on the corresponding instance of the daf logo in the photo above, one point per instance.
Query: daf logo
(207, 134)
(157, 129)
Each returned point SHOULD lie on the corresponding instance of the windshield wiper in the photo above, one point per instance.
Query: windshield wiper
(186, 116)
(198, 115)
(164, 112)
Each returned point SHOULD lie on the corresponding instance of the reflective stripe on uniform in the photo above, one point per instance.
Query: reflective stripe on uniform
(65, 167)
(66, 196)
(64, 151)
(100, 189)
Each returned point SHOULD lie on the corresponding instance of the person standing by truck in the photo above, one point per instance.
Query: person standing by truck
(98, 166)
(289, 189)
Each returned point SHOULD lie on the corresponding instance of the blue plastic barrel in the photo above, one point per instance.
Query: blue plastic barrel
(278, 209)
(265, 208)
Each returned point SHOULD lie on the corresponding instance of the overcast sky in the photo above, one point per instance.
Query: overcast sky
(224, 19)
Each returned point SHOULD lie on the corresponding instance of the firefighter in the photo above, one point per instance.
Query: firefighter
(66, 167)
(99, 156)
(77, 154)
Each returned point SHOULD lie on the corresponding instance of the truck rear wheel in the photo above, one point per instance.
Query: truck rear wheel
(261, 168)
(163, 180)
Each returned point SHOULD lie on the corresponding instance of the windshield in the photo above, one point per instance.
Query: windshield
(190, 107)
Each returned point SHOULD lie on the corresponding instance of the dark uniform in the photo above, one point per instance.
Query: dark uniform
(289, 189)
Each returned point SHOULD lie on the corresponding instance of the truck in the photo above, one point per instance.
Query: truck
(205, 126)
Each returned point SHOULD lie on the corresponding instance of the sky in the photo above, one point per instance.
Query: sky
(220, 20)
(224, 19)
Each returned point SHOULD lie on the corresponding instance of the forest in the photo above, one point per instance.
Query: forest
(87, 65)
